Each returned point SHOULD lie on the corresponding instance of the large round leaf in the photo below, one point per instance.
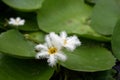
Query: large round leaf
(69, 15)
(118, 3)
(13, 43)
(24, 5)
(89, 59)
(20, 69)
(104, 17)
(116, 40)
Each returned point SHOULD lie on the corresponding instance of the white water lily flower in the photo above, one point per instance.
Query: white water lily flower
(16, 22)
(71, 42)
(51, 49)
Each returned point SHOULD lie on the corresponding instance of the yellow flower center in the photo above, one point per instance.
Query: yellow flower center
(17, 21)
(65, 42)
(52, 50)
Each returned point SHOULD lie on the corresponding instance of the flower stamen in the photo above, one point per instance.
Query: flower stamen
(52, 50)
(65, 42)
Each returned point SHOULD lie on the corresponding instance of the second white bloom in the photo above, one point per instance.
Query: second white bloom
(71, 42)
(16, 22)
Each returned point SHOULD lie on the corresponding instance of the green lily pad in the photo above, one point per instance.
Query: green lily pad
(116, 41)
(72, 16)
(90, 59)
(118, 3)
(13, 42)
(24, 5)
(23, 69)
(104, 17)
(37, 37)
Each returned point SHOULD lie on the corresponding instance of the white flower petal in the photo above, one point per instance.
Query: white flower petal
(52, 60)
(41, 55)
(40, 46)
(72, 43)
(55, 40)
(61, 56)
(22, 22)
(63, 35)
(48, 41)
(70, 47)
(10, 22)
(76, 40)
(12, 19)
(18, 19)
